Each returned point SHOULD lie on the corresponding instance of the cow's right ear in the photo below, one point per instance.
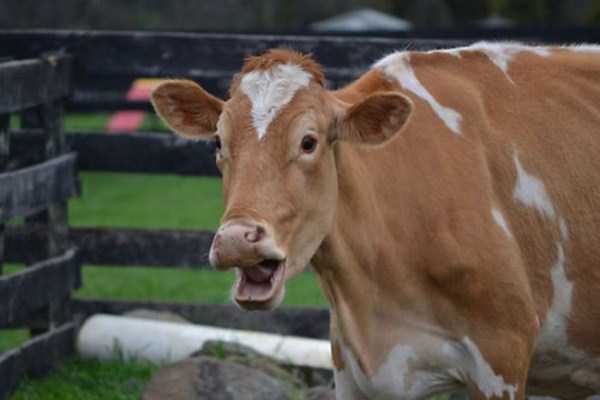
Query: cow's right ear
(187, 109)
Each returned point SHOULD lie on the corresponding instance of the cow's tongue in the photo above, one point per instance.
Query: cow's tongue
(259, 283)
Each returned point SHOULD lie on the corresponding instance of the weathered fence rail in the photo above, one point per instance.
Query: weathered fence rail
(106, 59)
(118, 246)
(37, 297)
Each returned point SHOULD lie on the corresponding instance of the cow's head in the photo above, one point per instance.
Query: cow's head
(275, 141)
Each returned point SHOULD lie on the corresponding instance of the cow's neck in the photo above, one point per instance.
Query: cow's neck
(347, 259)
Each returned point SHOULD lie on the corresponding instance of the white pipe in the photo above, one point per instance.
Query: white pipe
(107, 337)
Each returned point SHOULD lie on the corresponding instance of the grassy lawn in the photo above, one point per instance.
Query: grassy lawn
(88, 379)
(143, 201)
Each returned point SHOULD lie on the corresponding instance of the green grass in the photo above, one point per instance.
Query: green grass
(142, 201)
(89, 380)
(183, 285)
(147, 201)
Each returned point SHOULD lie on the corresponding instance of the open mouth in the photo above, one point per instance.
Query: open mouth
(259, 283)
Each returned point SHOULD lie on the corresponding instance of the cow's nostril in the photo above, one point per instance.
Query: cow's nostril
(255, 235)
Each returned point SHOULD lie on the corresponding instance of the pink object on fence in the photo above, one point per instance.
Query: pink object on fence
(130, 121)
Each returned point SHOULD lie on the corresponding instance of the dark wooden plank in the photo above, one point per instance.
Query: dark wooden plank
(4, 141)
(29, 190)
(108, 246)
(300, 321)
(163, 153)
(4, 155)
(36, 358)
(28, 83)
(210, 59)
(202, 55)
(29, 290)
(183, 248)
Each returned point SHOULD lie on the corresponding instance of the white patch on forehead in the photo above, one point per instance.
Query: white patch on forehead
(500, 220)
(270, 90)
(397, 66)
(531, 191)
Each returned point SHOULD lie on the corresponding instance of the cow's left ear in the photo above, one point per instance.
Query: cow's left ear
(375, 119)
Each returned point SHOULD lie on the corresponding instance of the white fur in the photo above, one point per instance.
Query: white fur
(431, 364)
(554, 329)
(531, 191)
(398, 377)
(345, 386)
(397, 67)
(584, 48)
(484, 376)
(270, 90)
(564, 231)
(500, 220)
(499, 53)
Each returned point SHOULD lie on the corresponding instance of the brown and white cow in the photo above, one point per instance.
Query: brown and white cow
(449, 202)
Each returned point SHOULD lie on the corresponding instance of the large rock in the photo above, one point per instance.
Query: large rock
(206, 378)
(298, 376)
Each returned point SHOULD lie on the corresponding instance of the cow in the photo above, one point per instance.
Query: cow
(448, 200)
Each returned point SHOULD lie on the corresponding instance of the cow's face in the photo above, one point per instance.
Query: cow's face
(275, 140)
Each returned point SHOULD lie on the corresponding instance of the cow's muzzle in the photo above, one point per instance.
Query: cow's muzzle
(251, 249)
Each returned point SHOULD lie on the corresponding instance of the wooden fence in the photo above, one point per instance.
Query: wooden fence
(39, 174)
(37, 190)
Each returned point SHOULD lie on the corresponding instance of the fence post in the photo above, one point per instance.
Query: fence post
(54, 220)
(4, 153)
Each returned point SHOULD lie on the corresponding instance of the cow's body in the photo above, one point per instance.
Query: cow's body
(465, 251)
(475, 233)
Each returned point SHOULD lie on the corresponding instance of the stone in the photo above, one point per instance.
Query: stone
(320, 393)
(206, 378)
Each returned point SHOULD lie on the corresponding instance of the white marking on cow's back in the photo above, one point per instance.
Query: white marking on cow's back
(397, 66)
(502, 53)
(500, 220)
(584, 48)
(499, 53)
(270, 90)
(531, 191)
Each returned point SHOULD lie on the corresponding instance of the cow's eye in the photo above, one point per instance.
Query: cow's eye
(309, 144)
